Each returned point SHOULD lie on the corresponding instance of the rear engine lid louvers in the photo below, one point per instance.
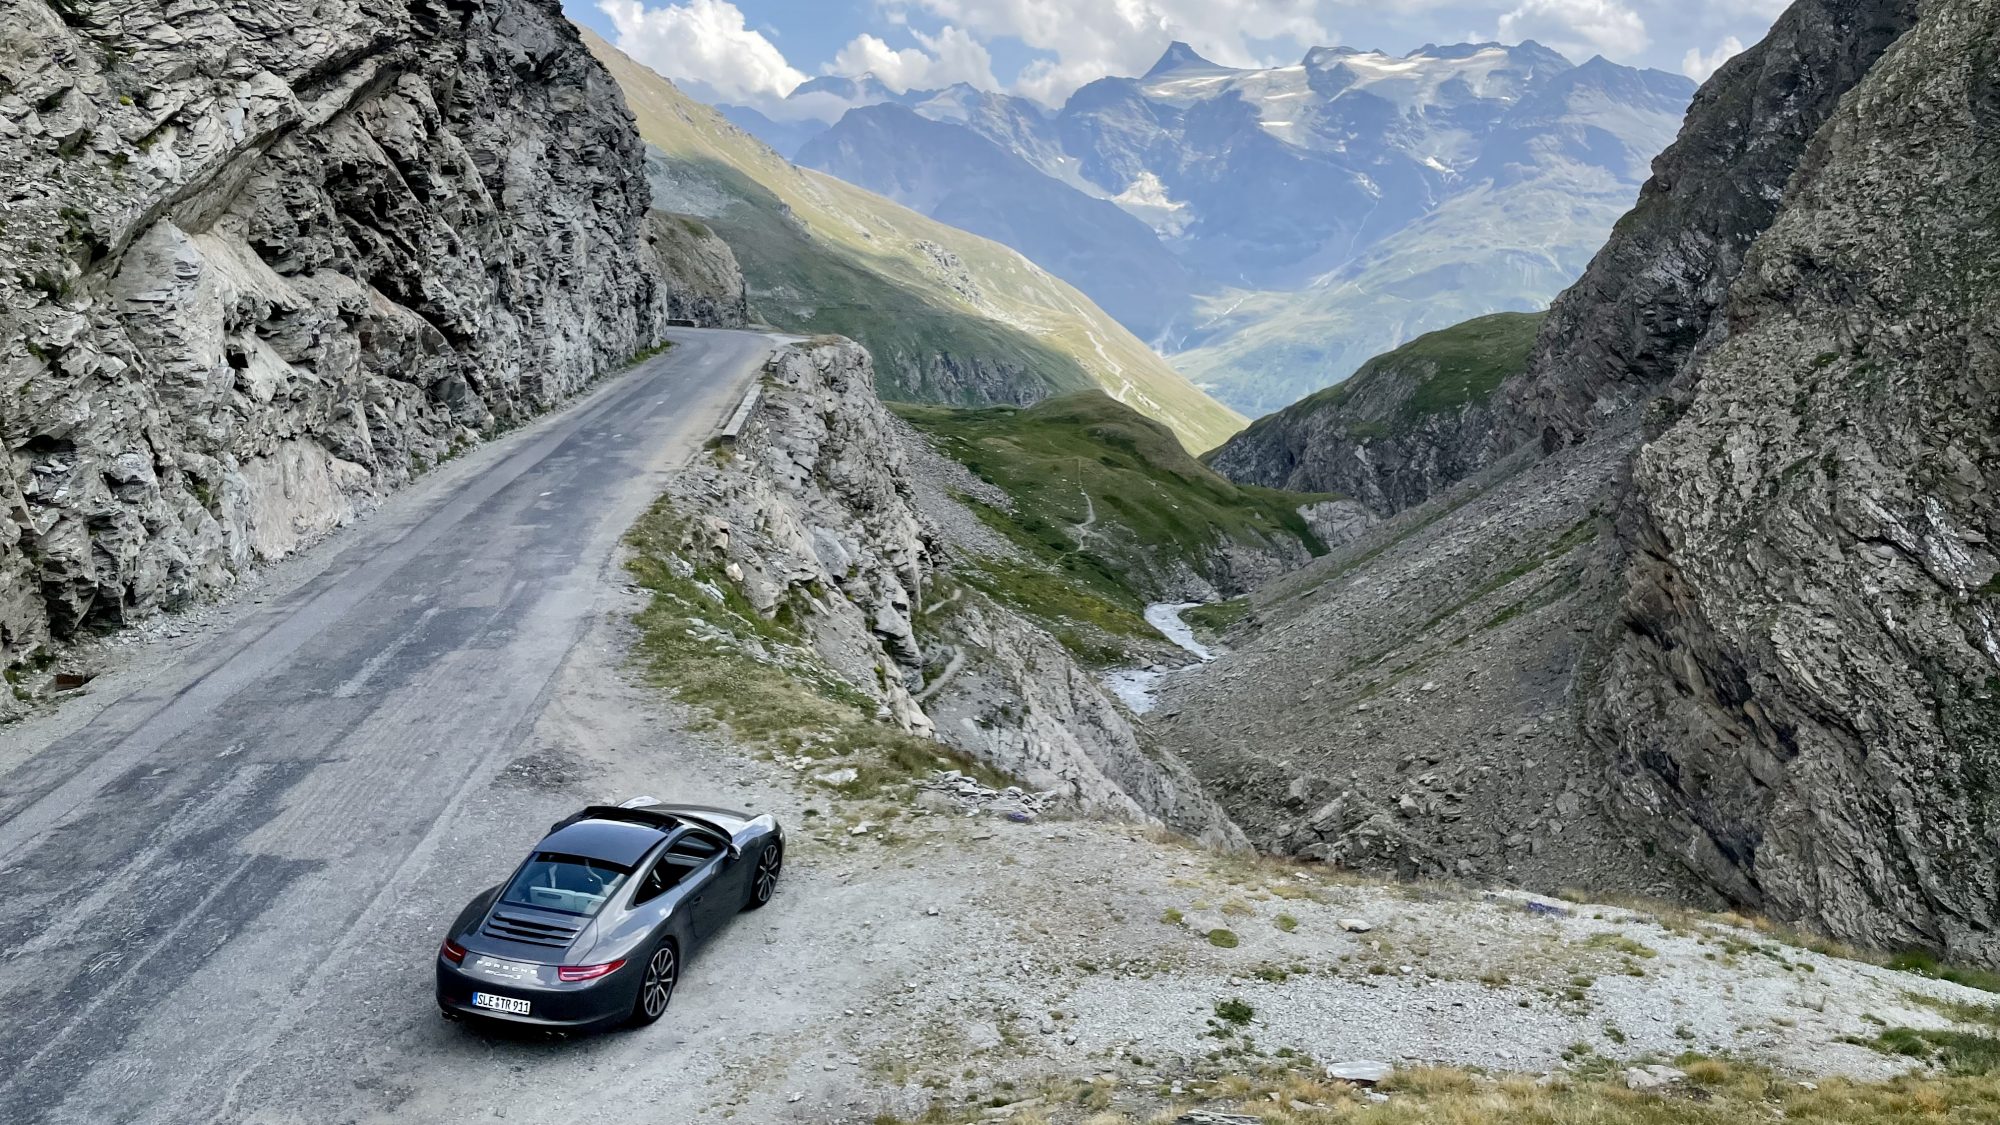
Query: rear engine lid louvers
(533, 928)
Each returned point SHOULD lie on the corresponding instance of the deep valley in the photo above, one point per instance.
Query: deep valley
(1574, 697)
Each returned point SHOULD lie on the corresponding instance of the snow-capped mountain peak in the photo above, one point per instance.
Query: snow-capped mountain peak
(1183, 61)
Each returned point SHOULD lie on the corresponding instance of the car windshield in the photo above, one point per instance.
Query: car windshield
(568, 883)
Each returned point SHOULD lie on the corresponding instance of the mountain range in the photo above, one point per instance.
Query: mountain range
(1277, 227)
(950, 317)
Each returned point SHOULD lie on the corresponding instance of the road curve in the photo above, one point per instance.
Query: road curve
(185, 875)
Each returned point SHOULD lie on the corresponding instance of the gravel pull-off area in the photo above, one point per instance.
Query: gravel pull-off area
(964, 947)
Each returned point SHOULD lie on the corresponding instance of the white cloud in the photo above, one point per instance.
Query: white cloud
(1578, 27)
(703, 41)
(950, 56)
(1091, 40)
(1699, 66)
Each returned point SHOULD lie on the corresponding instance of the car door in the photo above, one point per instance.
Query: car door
(651, 900)
(699, 857)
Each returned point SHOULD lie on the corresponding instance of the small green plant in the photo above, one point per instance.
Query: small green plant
(1172, 916)
(644, 354)
(1234, 1011)
(1222, 939)
(1286, 922)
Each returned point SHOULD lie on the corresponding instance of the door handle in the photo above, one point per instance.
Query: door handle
(695, 901)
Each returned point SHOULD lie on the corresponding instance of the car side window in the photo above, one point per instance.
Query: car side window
(681, 859)
(653, 885)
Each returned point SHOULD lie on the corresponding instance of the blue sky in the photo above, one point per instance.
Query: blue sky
(755, 51)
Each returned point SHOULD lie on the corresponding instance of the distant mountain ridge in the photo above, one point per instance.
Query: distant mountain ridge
(956, 175)
(1320, 213)
(949, 316)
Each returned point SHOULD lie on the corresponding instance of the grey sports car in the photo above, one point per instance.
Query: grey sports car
(592, 929)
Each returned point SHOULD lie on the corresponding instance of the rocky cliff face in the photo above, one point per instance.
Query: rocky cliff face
(702, 281)
(1617, 336)
(1803, 704)
(818, 506)
(266, 260)
(1403, 429)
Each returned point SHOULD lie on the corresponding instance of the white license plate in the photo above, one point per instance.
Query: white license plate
(500, 1003)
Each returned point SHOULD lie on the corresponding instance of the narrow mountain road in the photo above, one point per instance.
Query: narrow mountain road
(188, 868)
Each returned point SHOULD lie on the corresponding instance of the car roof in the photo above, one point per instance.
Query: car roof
(620, 836)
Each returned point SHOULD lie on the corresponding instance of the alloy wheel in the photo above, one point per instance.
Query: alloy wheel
(658, 989)
(768, 866)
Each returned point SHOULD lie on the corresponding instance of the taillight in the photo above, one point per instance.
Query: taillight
(570, 974)
(452, 952)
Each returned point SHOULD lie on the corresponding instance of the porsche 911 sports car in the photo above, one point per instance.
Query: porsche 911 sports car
(592, 929)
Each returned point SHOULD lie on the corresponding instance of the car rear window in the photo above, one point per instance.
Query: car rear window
(567, 883)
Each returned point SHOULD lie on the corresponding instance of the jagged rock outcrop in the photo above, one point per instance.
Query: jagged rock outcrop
(1017, 698)
(1406, 426)
(1616, 337)
(702, 281)
(817, 507)
(267, 260)
(814, 502)
(1804, 701)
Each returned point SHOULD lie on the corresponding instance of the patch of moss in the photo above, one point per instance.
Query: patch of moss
(644, 354)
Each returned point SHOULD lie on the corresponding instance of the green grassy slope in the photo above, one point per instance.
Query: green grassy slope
(1106, 497)
(948, 315)
(1446, 369)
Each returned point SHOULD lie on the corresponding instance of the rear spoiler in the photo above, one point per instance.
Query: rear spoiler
(649, 817)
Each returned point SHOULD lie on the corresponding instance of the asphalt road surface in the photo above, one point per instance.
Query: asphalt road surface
(189, 876)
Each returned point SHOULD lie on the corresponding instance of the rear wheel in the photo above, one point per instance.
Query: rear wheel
(656, 988)
(764, 879)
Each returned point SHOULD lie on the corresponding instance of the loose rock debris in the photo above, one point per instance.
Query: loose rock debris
(972, 798)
